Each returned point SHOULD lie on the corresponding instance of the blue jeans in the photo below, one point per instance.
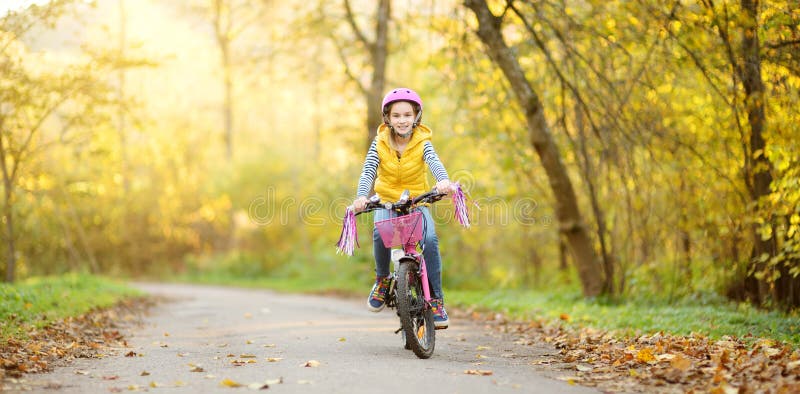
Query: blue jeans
(433, 260)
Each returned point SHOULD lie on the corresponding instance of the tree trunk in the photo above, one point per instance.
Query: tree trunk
(600, 217)
(750, 73)
(378, 54)
(11, 256)
(222, 29)
(121, 95)
(567, 211)
(228, 105)
(8, 187)
(563, 262)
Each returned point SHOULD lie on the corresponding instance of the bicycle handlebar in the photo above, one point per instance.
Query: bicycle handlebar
(402, 206)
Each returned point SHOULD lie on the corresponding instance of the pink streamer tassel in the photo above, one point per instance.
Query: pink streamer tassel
(460, 204)
(348, 239)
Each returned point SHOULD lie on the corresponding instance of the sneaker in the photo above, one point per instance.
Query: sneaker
(377, 296)
(439, 314)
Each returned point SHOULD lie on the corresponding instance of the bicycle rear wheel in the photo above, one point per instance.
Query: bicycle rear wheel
(415, 315)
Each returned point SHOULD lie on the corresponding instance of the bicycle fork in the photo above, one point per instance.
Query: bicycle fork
(411, 250)
(396, 256)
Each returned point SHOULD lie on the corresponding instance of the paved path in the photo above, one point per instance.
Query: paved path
(210, 335)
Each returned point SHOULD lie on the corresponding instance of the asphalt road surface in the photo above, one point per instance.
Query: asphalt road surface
(211, 339)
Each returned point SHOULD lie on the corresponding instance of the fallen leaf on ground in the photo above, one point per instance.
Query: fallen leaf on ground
(480, 372)
(645, 356)
(681, 363)
(264, 385)
(274, 359)
(311, 364)
(229, 383)
(84, 336)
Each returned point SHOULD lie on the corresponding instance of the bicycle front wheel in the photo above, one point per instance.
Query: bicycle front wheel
(415, 315)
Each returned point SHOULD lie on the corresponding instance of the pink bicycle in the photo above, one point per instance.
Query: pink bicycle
(409, 290)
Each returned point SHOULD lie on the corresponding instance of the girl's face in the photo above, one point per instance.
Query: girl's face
(401, 117)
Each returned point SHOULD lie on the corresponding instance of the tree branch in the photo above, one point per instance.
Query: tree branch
(554, 66)
(347, 70)
(356, 30)
(780, 44)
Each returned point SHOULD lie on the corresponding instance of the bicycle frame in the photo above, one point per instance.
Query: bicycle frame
(410, 250)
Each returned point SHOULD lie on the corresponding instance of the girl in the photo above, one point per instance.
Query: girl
(395, 162)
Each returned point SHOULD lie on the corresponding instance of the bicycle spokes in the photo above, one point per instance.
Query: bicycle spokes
(415, 317)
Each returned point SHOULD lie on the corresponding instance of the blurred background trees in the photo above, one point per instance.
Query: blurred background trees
(674, 122)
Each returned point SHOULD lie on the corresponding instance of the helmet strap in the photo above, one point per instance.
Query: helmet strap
(406, 135)
(416, 121)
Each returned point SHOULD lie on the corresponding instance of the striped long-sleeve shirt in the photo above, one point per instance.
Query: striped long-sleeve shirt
(372, 161)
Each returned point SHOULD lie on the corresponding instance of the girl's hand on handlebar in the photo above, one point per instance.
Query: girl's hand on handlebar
(359, 203)
(445, 186)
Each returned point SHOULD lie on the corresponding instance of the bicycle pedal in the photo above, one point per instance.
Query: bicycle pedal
(398, 330)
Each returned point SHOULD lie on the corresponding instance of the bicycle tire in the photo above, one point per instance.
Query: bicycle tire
(416, 316)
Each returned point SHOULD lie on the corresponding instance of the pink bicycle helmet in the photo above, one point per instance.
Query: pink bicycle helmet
(402, 94)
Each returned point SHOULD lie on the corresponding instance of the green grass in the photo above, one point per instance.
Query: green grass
(711, 316)
(335, 274)
(310, 284)
(40, 301)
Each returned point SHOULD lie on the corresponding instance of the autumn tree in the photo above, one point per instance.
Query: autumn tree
(735, 71)
(571, 222)
(370, 84)
(40, 109)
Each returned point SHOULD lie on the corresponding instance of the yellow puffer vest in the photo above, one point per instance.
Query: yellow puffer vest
(406, 172)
